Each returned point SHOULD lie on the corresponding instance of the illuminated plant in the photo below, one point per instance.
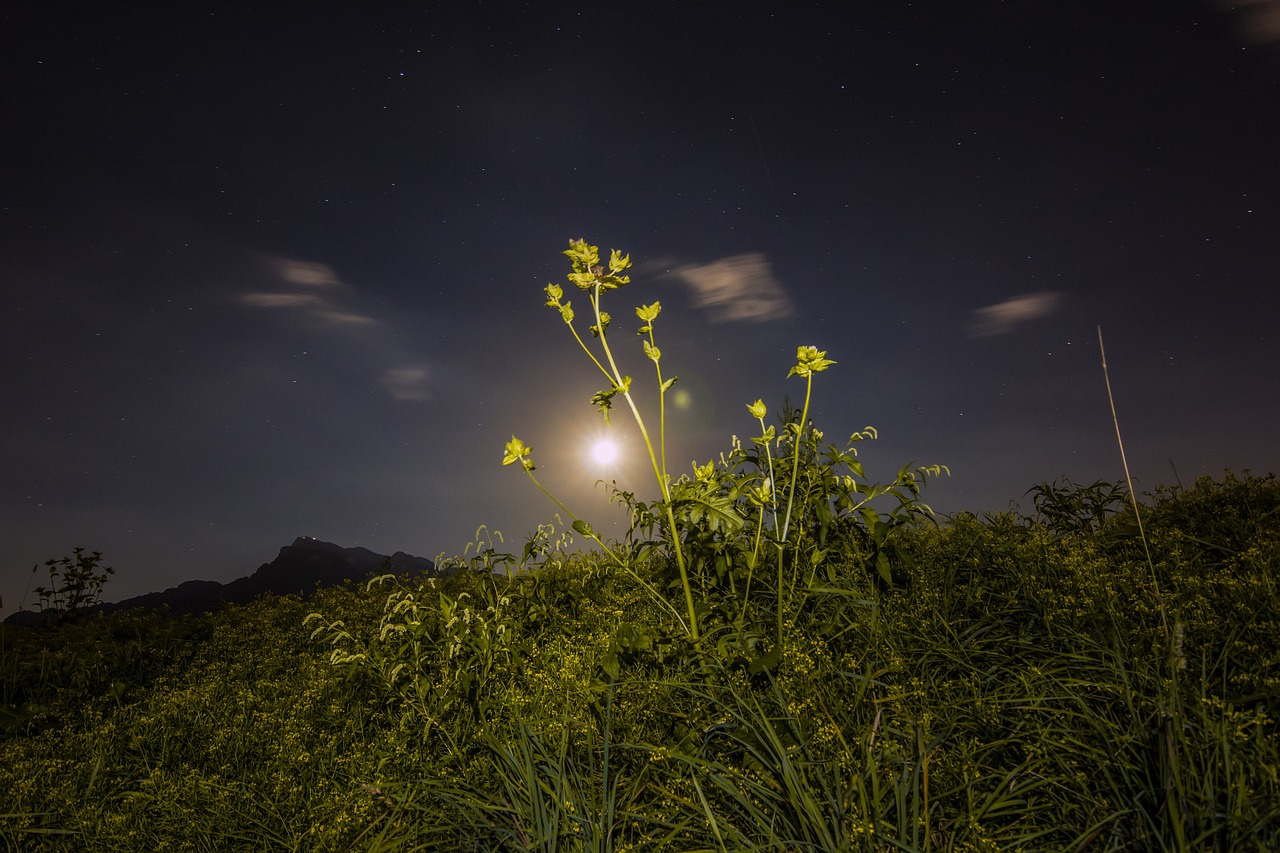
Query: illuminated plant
(714, 522)
(590, 277)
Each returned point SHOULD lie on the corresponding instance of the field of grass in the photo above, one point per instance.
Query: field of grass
(1005, 682)
(770, 659)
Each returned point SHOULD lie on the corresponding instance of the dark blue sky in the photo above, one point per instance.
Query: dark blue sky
(274, 270)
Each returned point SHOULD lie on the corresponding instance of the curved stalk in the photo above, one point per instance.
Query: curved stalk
(658, 471)
(595, 537)
(791, 494)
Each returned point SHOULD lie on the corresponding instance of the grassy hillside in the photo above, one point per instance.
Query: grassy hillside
(1003, 682)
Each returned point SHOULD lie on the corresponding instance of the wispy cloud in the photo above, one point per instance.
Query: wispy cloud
(306, 272)
(1004, 317)
(313, 293)
(735, 289)
(278, 300)
(316, 293)
(408, 382)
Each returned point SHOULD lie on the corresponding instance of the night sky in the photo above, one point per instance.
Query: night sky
(276, 269)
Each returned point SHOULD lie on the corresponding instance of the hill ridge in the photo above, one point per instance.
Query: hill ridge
(298, 569)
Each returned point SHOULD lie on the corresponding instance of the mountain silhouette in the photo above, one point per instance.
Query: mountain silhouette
(299, 569)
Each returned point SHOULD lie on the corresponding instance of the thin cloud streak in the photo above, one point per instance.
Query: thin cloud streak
(314, 293)
(1003, 317)
(408, 382)
(306, 272)
(323, 307)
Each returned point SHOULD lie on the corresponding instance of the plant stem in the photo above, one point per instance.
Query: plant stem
(1173, 776)
(795, 466)
(662, 406)
(616, 378)
(791, 494)
(658, 472)
(1133, 498)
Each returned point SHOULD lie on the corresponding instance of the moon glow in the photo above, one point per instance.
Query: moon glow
(604, 451)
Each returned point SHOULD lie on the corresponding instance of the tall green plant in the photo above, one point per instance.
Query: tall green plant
(590, 278)
(714, 523)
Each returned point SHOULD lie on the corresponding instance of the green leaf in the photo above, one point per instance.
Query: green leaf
(583, 280)
(649, 313)
(844, 593)
(717, 510)
(882, 566)
(652, 352)
(609, 663)
(603, 400)
(583, 254)
(767, 662)
(633, 638)
(584, 528)
(466, 680)
(605, 319)
(669, 383)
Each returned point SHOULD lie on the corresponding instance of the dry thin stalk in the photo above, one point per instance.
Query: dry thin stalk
(1133, 498)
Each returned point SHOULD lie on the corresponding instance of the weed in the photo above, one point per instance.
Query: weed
(714, 523)
(75, 583)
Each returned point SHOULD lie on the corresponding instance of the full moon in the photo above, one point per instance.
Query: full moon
(604, 451)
